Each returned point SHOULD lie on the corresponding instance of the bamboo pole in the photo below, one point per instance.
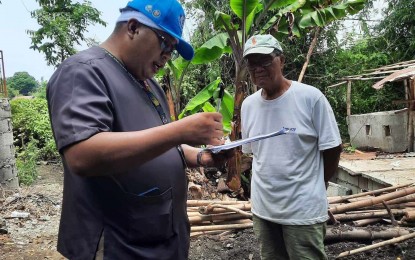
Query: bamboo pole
(198, 203)
(410, 116)
(339, 199)
(221, 227)
(387, 242)
(362, 234)
(410, 216)
(364, 222)
(193, 214)
(383, 214)
(393, 206)
(409, 198)
(212, 218)
(372, 201)
(348, 98)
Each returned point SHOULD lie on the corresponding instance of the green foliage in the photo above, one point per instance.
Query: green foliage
(41, 91)
(397, 29)
(31, 122)
(329, 66)
(62, 26)
(27, 157)
(202, 102)
(349, 149)
(21, 83)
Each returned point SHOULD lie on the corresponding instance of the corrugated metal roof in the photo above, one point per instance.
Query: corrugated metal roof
(396, 76)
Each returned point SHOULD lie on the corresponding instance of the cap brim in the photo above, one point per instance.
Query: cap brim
(258, 50)
(183, 47)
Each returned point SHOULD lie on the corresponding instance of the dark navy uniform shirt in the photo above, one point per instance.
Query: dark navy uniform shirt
(91, 93)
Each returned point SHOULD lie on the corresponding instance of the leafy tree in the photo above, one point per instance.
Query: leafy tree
(23, 83)
(41, 91)
(248, 17)
(63, 25)
(397, 29)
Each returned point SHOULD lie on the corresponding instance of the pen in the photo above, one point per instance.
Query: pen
(220, 96)
(148, 192)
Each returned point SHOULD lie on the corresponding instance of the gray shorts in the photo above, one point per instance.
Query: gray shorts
(290, 242)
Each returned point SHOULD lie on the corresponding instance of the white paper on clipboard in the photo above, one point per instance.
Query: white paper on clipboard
(216, 149)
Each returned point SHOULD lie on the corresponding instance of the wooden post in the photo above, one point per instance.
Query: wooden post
(3, 76)
(348, 97)
(410, 115)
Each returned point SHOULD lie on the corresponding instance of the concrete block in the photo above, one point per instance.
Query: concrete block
(335, 189)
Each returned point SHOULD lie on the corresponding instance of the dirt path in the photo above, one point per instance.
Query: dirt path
(35, 237)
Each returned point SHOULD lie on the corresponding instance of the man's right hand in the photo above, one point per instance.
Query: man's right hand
(202, 129)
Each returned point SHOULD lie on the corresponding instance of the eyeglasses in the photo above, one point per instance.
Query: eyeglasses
(166, 46)
(262, 62)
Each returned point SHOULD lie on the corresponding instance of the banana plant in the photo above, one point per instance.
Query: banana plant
(204, 99)
(290, 18)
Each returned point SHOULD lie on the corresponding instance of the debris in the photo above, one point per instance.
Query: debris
(18, 214)
(387, 242)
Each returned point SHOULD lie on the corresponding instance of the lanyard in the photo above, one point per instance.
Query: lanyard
(146, 87)
(156, 104)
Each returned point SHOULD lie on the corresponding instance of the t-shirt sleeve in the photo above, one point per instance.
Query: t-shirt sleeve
(79, 104)
(325, 125)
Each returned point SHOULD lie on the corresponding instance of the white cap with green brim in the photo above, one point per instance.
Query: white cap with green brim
(261, 44)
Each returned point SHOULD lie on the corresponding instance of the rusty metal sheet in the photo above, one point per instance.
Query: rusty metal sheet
(399, 75)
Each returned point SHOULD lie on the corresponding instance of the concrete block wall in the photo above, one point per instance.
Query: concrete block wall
(384, 130)
(355, 182)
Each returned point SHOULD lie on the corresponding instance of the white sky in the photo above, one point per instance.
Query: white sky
(15, 43)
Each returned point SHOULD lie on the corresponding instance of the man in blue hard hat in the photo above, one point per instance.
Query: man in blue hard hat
(125, 185)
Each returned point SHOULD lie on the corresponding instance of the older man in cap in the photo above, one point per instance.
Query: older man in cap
(289, 172)
(125, 185)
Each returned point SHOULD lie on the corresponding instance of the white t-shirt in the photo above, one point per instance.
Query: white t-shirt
(287, 185)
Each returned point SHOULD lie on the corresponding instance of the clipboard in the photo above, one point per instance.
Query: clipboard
(217, 149)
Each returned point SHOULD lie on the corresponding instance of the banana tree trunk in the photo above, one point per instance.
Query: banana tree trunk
(167, 88)
(233, 180)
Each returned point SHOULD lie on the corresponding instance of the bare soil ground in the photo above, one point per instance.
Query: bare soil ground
(35, 237)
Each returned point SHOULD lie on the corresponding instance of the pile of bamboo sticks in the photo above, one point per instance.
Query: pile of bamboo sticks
(216, 217)
(374, 206)
(395, 205)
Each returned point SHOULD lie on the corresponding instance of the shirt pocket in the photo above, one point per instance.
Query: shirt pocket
(150, 217)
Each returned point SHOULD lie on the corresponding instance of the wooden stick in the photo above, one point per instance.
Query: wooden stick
(337, 84)
(309, 53)
(372, 201)
(198, 203)
(339, 199)
(333, 219)
(221, 227)
(209, 208)
(214, 232)
(364, 222)
(387, 242)
(392, 218)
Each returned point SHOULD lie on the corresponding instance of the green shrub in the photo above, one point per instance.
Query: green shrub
(30, 119)
(27, 157)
